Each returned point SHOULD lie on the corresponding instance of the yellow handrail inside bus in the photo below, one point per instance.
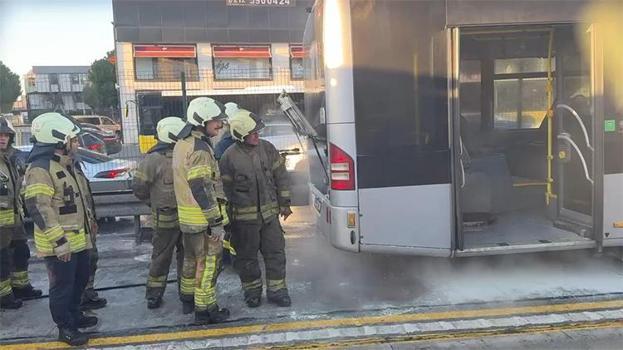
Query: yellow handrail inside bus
(549, 194)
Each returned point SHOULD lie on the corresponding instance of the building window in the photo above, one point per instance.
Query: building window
(248, 62)
(165, 62)
(53, 78)
(296, 62)
(520, 92)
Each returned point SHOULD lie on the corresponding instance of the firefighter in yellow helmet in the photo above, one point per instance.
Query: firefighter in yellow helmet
(58, 199)
(201, 209)
(14, 252)
(153, 183)
(256, 183)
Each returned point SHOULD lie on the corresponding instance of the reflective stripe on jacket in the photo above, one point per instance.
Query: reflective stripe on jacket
(153, 183)
(58, 199)
(197, 183)
(255, 181)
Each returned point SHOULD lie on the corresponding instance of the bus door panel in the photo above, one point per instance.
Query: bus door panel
(575, 116)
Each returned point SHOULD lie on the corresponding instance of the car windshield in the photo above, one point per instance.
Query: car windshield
(277, 130)
(93, 157)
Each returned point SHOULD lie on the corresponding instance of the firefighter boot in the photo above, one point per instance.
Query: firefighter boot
(27, 292)
(91, 301)
(253, 297)
(154, 302)
(72, 337)
(188, 307)
(279, 298)
(213, 315)
(85, 321)
(10, 302)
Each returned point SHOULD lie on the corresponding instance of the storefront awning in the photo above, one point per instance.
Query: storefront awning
(238, 51)
(297, 51)
(170, 51)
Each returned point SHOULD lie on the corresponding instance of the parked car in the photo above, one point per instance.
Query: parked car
(111, 140)
(96, 166)
(102, 122)
(281, 134)
(91, 142)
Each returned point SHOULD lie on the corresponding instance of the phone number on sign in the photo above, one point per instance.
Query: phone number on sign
(261, 2)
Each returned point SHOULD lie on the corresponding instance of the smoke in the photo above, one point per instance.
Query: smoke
(331, 280)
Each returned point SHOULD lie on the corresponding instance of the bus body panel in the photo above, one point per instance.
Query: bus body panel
(387, 104)
(413, 216)
(331, 221)
(613, 207)
(401, 250)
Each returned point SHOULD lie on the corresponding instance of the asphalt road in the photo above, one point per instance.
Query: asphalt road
(326, 283)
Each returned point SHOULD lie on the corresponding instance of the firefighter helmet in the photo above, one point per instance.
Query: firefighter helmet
(53, 128)
(169, 128)
(203, 109)
(244, 123)
(6, 127)
(231, 108)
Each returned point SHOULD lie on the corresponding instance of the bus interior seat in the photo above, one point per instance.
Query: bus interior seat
(527, 156)
(488, 182)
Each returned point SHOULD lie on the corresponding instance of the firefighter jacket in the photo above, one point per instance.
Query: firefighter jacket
(58, 199)
(153, 183)
(197, 183)
(11, 213)
(255, 181)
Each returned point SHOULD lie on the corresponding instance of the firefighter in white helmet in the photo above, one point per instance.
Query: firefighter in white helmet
(14, 252)
(58, 199)
(256, 183)
(153, 183)
(201, 208)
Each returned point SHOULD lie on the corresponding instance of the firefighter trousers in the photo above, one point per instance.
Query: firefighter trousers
(165, 242)
(93, 259)
(67, 283)
(202, 265)
(14, 255)
(249, 238)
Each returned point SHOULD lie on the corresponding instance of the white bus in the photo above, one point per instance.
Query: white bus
(434, 134)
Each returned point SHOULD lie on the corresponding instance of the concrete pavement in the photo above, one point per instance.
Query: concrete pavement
(326, 283)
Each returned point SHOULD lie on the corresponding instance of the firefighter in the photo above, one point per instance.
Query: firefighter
(201, 209)
(257, 187)
(59, 201)
(153, 183)
(230, 109)
(14, 252)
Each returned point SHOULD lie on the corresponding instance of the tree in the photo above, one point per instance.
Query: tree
(100, 92)
(10, 88)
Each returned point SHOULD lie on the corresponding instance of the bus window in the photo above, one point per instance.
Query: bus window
(470, 78)
(400, 93)
(520, 92)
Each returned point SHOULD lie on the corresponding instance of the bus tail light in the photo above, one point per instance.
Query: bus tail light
(342, 169)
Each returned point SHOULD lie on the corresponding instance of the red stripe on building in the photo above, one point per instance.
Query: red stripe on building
(171, 51)
(235, 51)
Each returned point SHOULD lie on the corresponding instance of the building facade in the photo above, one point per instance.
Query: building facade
(50, 88)
(245, 51)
